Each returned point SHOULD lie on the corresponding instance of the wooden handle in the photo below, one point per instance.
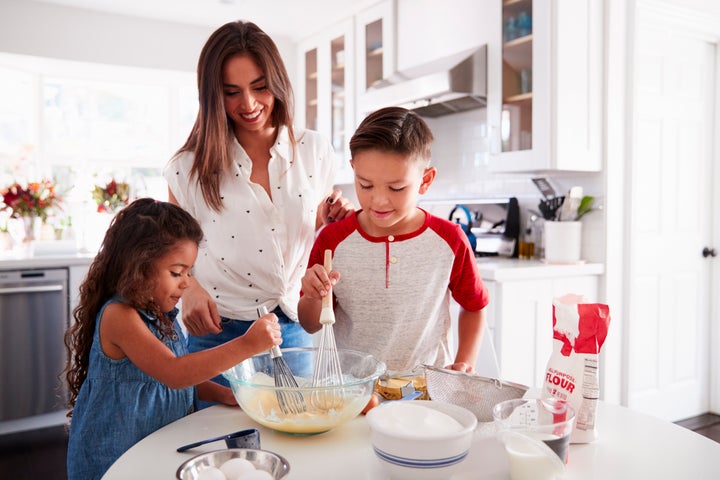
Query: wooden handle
(327, 263)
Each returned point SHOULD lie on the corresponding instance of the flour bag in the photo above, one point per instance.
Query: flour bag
(579, 330)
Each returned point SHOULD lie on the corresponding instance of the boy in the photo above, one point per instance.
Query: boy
(395, 265)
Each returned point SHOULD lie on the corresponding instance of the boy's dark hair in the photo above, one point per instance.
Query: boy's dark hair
(140, 234)
(393, 129)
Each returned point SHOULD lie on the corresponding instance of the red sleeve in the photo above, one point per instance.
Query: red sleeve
(466, 284)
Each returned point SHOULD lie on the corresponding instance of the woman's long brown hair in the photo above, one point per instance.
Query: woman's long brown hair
(210, 139)
(138, 236)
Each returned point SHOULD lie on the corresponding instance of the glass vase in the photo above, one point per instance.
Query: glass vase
(31, 224)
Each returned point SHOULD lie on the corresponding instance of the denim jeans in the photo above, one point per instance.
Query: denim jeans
(293, 335)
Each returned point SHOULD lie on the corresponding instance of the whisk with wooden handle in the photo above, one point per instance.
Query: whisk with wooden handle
(328, 372)
(289, 401)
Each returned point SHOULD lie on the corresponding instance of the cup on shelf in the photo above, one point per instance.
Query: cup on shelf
(524, 24)
(526, 80)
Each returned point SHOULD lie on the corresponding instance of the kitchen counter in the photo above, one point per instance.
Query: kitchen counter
(503, 269)
(24, 259)
(630, 445)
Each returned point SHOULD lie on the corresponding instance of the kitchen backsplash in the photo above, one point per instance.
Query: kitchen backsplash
(460, 153)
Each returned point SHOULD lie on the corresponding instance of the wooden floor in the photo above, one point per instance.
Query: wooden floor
(40, 454)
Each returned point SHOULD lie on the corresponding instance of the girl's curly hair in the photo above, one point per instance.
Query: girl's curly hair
(139, 235)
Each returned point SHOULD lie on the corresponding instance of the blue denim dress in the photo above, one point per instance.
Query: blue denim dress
(118, 405)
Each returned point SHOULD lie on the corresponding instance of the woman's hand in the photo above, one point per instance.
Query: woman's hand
(199, 311)
(333, 208)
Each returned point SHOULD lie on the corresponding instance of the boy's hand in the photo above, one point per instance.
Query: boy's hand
(317, 282)
(461, 367)
(263, 334)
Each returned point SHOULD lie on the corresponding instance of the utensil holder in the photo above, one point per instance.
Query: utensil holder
(562, 241)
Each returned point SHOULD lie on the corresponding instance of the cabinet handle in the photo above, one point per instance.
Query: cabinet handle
(709, 252)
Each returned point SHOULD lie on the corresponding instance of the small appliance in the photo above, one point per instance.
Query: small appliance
(491, 224)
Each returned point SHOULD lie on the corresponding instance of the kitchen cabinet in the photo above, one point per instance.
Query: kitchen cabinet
(326, 97)
(76, 276)
(545, 100)
(375, 35)
(521, 312)
(426, 34)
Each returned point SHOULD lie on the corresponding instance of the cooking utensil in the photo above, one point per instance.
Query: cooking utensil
(248, 438)
(550, 206)
(477, 394)
(327, 363)
(569, 209)
(545, 188)
(288, 400)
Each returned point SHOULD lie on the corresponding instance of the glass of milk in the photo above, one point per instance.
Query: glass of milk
(536, 436)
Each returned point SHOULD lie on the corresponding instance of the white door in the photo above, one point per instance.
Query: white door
(670, 220)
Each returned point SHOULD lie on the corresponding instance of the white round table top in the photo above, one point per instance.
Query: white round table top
(630, 445)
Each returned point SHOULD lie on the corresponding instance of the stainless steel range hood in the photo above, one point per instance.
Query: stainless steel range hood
(458, 88)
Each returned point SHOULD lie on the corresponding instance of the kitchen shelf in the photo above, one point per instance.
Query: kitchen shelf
(520, 98)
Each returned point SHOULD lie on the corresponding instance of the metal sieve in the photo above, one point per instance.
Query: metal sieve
(477, 394)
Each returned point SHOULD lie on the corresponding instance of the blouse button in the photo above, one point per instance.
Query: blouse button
(391, 238)
(393, 259)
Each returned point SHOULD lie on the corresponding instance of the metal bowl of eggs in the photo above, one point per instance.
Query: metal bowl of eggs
(305, 409)
(235, 464)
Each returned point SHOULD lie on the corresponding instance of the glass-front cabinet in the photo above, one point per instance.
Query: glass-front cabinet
(546, 113)
(375, 48)
(326, 101)
(516, 126)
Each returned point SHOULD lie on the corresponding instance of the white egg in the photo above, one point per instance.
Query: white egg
(235, 468)
(256, 475)
(210, 473)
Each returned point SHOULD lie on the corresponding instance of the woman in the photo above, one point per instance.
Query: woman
(259, 188)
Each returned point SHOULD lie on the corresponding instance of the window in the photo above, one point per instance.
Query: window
(85, 124)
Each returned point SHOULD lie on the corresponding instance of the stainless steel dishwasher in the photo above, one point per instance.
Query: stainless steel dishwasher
(34, 315)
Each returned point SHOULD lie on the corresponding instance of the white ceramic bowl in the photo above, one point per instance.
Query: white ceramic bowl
(416, 440)
(265, 460)
(254, 388)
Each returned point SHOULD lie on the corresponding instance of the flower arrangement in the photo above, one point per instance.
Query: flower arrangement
(36, 199)
(112, 197)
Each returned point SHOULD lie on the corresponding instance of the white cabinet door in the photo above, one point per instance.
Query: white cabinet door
(429, 30)
(76, 276)
(523, 323)
(545, 104)
(326, 93)
(375, 47)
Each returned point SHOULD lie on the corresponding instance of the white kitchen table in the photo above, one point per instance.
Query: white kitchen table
(631, 445)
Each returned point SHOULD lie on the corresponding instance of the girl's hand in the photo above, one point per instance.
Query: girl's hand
(263, 334)
(316, 282)
(199, 311)
(334, 207)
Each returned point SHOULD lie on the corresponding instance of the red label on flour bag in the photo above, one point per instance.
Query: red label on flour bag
(579, 331)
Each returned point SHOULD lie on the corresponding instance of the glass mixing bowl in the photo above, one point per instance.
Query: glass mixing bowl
(253, 385)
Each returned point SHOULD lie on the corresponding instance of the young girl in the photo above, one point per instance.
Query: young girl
(129, 372)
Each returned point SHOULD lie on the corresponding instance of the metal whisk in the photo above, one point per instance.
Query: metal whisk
(327, 362)
(289, 401)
